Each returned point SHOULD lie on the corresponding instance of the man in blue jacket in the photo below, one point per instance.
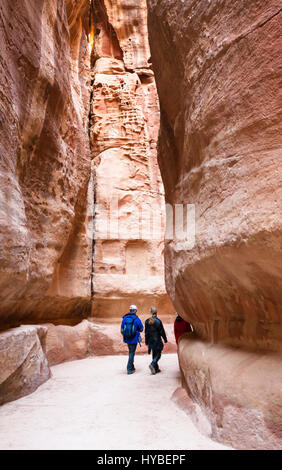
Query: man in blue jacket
(131, 327)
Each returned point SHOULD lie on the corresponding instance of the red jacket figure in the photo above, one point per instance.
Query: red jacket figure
(181, 327)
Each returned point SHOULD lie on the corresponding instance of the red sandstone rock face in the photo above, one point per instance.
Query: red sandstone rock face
(91, 338)
(69, 343)
(23, 363)
(220, 150)
(218, 73)
(48, 188)
(107, 339)
(128, 262)
(236, 393)
(45, 161)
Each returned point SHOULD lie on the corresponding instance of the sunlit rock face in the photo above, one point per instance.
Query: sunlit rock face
(128, 256)
(45, 161)
(218, 72)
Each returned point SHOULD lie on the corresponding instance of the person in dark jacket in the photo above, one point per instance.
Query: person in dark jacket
(181, 327)
(154, 332)
(131, 327)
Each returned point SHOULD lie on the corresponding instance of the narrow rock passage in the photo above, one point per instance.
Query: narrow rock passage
(94, 404)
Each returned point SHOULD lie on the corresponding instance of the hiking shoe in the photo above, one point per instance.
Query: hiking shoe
(152, 369)
(158, 370)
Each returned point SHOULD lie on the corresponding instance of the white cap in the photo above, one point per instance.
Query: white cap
(133, 307)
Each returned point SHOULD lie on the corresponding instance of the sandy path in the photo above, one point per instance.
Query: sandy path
(94, 404)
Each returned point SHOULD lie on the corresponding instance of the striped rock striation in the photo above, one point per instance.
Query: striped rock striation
(45, 161)
(218, 72)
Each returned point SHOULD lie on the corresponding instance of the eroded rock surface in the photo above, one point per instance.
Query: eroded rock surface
(45, 160)
(128, 259)
(218, 73)
(236, 393)
(107, 339)
(92, 338)
(68, 343)
(23, 363)
(54, 254)
(49, 268)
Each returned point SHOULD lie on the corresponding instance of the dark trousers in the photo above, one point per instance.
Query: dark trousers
(131, 349)
(156, 354)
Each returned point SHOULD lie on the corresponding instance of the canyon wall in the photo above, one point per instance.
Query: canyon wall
(128, 257)
(218, 73)
(54, 252)
(45, 161)
(79, 120)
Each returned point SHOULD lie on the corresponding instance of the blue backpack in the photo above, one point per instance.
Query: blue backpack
(129, 329)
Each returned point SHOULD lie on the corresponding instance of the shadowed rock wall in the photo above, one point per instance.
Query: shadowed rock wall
(45, 161)
(218, 73)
